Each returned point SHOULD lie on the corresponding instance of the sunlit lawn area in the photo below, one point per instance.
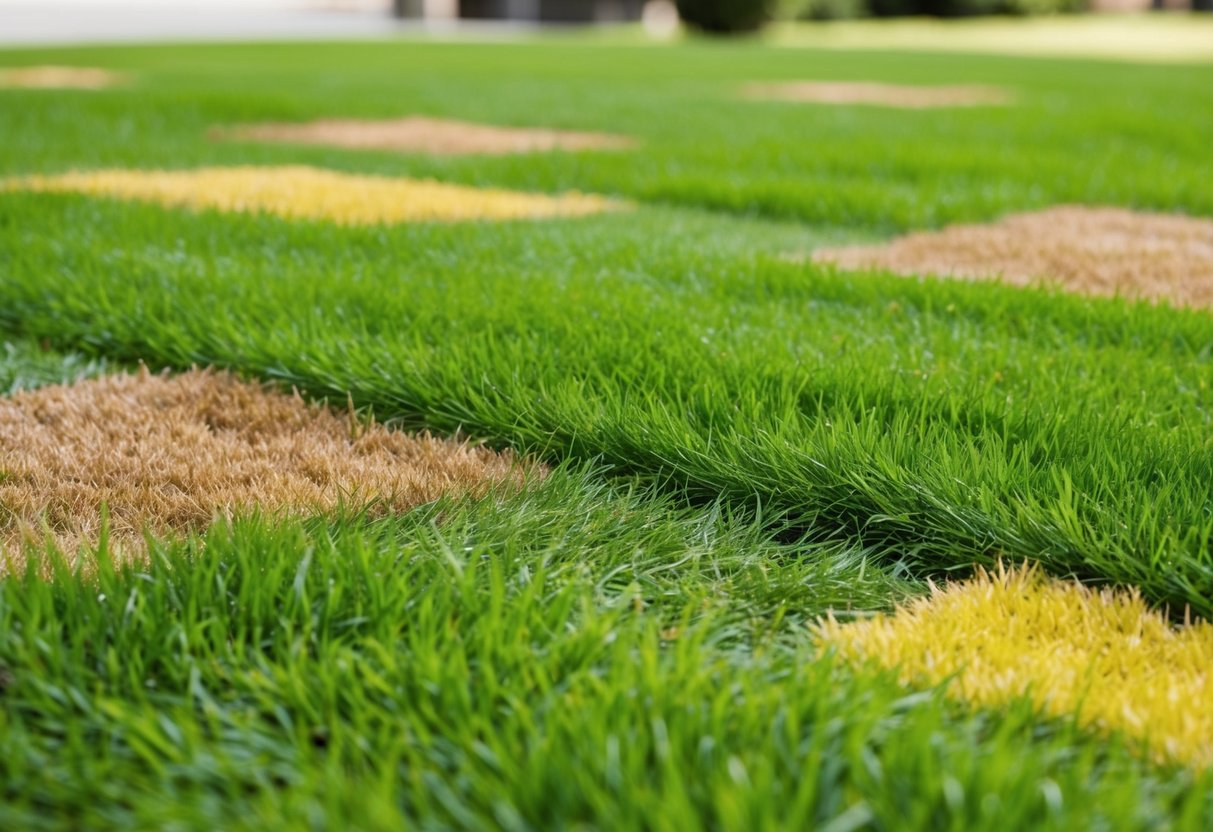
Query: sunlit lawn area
(727, 439)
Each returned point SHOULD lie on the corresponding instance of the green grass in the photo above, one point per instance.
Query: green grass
(575, 656)
(742, 443)
(24, 366)
(1083, 131)
(939, 423)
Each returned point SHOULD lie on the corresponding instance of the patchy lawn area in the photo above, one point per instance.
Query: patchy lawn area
(703, 482)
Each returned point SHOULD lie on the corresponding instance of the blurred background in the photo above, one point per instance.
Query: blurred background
(926, 23)
(67, 21)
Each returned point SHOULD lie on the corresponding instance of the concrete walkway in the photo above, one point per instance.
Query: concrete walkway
(51, 22)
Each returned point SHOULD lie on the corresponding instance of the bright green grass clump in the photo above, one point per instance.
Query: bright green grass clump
(24, 366)
(573, 656)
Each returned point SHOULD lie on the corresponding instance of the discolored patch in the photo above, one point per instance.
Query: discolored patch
(59, 77)
(882, 95)
(1102, 657)
(1145, 38)
(171, 453)
(300, 192)
(1099, 251)
(432, 136)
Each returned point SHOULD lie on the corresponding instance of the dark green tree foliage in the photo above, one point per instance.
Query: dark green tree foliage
(725, 17)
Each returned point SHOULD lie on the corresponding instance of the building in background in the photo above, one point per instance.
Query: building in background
(553, 11)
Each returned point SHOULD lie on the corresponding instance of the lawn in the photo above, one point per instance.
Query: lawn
(738, 442)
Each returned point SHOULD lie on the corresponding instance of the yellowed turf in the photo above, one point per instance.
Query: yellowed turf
(1099, 251)
(170, 453)
(1102, 656)
(59, 77)
(432, 136)
(298, 192)
(882, 95)
(1144, 38)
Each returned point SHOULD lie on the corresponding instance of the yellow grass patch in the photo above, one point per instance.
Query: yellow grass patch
(1100, 251)
(883, 95)
(1146, 38)
(441, 137)
(299, 192)
(59, 77)
(1101, 656)
(171, 453)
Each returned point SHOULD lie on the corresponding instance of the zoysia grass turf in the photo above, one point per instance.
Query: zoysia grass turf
(128, 455)
(1101, 657)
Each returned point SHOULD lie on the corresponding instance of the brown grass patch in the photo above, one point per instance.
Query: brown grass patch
(883, 95)
(1099, 251)
(172, 453)
(299, 192)
(439, 137)
(60, 77)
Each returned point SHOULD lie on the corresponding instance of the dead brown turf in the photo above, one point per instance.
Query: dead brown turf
(59, 77)
(417, 134)
(884, 95)
(171, 453)
(1099, 251)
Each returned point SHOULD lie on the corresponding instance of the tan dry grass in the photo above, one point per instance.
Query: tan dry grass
(438, 137)
(300, 192)
(60, 77)
(171, 453)
(1099, 251)
(883, 95)
(1145, 38)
